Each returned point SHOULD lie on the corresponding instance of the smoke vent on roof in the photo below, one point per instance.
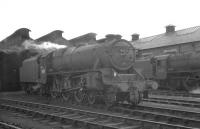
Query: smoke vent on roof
(50, 37)
(135, 37)
(23, 32)
(170, 28)
(85, 39)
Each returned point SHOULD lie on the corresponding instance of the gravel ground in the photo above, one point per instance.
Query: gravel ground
(24, 121)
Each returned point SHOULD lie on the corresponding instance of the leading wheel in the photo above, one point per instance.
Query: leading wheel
(79, 96)
(190, 85)
(91, 98)
(66, 96)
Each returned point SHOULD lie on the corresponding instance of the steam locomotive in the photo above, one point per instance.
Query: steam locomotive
(172, 72)
(89, 74)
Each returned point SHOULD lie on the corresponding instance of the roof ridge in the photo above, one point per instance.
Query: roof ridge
(175, 31)
(188, 28)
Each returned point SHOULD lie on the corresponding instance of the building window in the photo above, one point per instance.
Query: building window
(145, 55)
(170, 51)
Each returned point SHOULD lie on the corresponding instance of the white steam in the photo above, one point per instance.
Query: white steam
(43, 47)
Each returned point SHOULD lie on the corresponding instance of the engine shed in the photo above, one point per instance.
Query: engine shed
(9, 67)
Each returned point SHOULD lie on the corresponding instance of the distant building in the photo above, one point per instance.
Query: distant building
(171, 42)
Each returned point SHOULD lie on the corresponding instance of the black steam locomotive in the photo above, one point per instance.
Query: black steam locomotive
(172, 72)
(102, 70)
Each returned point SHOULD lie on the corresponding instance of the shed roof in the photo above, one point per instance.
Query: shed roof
(87, 36)
(83, 39)
(55, 37)
(15, 39)
(166, 39)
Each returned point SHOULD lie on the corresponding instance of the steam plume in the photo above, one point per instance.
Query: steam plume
(43, 47)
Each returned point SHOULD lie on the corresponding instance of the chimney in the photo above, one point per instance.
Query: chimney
(170, 28)
(113, 36)
(135, 37)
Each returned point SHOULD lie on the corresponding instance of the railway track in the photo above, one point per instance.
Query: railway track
(4, 125)
(163, 114)
(181, 102)
(139, 117)
(174, 93)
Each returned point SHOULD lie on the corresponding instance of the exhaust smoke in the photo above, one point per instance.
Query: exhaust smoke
(43, 47)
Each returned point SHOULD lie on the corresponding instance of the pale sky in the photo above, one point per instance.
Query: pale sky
(77, 17)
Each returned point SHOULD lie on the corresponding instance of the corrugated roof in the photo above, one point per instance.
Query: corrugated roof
(83, 39)
(166, 39)
(16, 39)
(55, 37)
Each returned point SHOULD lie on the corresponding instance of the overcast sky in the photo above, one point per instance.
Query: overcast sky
(77, 17)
